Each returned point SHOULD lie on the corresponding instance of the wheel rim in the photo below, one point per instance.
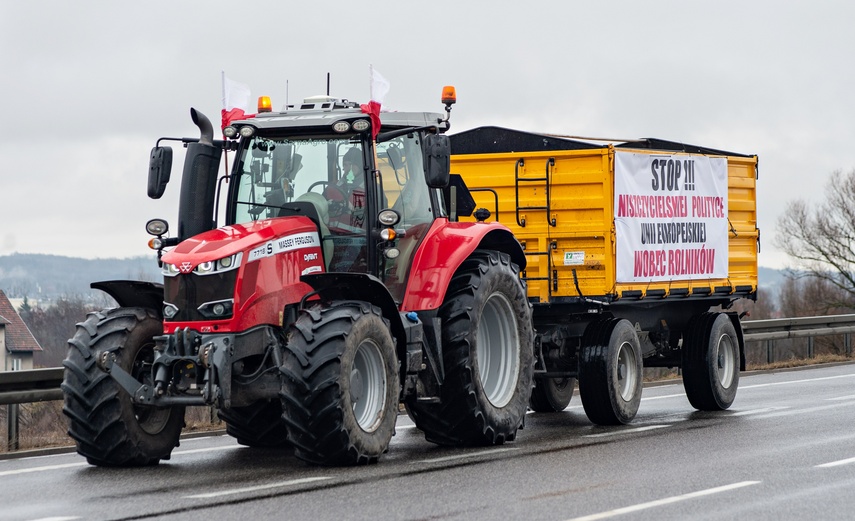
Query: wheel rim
(497, 350)
(368, 386)
(152, 420)
(627, 371)
(726, 361)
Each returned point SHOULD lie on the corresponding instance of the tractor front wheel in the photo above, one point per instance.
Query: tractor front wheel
(340, 384)
(110, 430)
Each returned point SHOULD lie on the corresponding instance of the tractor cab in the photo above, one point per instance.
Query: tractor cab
(372, 195)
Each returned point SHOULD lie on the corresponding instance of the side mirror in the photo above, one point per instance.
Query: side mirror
(159, 168)
(437, 160)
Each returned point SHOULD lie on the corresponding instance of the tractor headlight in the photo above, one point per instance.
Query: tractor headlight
(217, 310)
(169, 310)
(220, 265)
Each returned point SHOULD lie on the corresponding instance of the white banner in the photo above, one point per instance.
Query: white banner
(670, 217)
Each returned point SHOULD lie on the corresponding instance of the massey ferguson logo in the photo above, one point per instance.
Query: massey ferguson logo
(186, 267)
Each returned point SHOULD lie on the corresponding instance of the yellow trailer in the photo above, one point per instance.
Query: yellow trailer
(629, 242)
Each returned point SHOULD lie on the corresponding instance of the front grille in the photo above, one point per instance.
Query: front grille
(188, 292)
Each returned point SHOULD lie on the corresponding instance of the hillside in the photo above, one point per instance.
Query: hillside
(47, 277)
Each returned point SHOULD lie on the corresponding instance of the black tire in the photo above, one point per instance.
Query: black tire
(257, 425)
(610, 372)
(711, 362)
(487, 347)
(108, 428)
(552, 394)
(340, 385)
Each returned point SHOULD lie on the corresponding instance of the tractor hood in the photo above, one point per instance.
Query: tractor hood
(256, 239)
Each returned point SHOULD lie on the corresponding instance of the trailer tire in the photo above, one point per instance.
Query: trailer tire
(487, 351)
(256, 425)
(108, 428)
(552, 394)
(610, 372)
(711, 362)
(340, 384)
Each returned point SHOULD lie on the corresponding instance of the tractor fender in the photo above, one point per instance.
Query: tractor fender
(443, 250)
(359, 286)
(134, 294)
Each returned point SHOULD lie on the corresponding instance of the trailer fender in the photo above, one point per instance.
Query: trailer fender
(134, 294)
(444, 249)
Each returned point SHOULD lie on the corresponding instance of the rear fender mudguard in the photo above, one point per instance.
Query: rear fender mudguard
(444, 249)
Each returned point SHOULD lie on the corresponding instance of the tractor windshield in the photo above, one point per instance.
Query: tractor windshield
(317, 176)
(277, 171)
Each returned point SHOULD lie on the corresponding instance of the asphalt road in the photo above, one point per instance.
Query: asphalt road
(783, 451)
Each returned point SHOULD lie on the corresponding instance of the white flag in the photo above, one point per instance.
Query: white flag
(236, 95)
(379, 85)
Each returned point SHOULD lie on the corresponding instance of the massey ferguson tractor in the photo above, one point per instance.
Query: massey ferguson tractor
(338, 284)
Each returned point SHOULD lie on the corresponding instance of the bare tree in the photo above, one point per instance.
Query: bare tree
(821, 239)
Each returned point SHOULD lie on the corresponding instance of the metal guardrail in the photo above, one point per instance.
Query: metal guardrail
(801, 327)
(36, 385)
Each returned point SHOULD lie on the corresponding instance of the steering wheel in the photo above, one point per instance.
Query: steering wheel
(319, 183)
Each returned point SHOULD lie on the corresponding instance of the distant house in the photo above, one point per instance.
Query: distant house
(17, 343)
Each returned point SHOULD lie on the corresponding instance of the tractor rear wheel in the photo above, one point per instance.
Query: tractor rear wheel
(552, 394)
(340, 384)
(711, 362)
(109, 429)
(257, 425)
(487, 347)
(610, 372)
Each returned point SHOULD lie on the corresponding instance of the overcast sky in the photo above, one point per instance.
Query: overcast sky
(88, 87)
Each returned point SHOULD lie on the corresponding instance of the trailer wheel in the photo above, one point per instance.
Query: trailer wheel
(340, 384)
(257, 425)
(487, 347)
(552, 394)
(610, 372)
(711, 362)
(108, 428)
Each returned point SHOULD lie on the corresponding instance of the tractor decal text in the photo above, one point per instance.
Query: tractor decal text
(283, 244)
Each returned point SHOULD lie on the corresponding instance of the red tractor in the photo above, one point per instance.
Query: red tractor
(337, 284)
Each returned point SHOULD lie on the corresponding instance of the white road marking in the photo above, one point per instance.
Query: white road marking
(209, 449)
(681, 395)
(57, 518)
(467, 455)
(806, 380)
(664, 501)
(257, 488)
(625, 431)
(848, 397)
(40, 469)
(793, 412)
(758, 411)
(85, 464)
(836, 463)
